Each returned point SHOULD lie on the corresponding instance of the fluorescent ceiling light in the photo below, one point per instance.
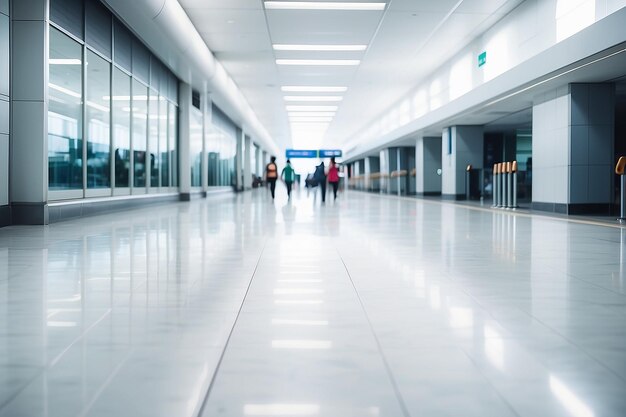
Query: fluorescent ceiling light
(322, 5)
(319, 62)
(294, 47)
(64, 61)
(313, 98)
(312, 89)
(311, 108)
(311, 119)
(311, 114)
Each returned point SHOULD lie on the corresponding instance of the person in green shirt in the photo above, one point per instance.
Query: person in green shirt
(288, 175)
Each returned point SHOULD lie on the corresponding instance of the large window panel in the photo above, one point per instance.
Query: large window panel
(173, 142)
(121, 127)
(140, 132)
(195, 147)
(65, 145)
(98, 109)
(153, 138)
(164, 160)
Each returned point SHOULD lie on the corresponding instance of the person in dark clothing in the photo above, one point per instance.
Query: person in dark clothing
(271, 175)
(320, 178)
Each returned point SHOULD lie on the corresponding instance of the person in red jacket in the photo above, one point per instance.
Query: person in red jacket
(333, 176)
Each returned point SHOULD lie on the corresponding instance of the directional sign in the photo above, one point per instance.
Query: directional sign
(482, 59)
(328, 153)
(301, 153)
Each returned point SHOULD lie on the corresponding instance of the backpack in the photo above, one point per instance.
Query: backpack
(319, 175)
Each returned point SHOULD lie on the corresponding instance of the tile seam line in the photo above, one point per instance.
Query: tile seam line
(498, 211)
(390, 375)
(200, 409)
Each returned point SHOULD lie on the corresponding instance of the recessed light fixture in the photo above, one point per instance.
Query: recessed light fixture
(313, 98)
(317, 62)
(323, 5)
(312, 89)
(311, 114)
(310, 119)
(285, 47)
(311, 108)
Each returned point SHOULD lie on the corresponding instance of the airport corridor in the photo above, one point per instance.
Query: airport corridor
(368, 306)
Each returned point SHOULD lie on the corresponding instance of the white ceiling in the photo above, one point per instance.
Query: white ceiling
(406, 41)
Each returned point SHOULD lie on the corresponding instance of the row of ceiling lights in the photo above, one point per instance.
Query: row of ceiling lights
(307, 118)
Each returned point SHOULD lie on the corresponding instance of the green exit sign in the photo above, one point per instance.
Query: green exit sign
(482, 59)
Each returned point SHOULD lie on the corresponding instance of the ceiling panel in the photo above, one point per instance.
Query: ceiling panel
(406, 42)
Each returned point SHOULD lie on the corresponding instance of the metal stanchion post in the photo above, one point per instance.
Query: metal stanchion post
(500, 189)
(494, 185)
(468, 169)
(514, 173)
(509, 188)
(619, 170)
(502, 184)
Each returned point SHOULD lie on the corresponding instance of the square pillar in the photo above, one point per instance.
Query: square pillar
(428, 166)
(239, 161)
(184, 123)
(573, 146)
(247, 163)
(460, 146)
(29, 112)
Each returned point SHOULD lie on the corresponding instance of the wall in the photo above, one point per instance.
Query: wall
(4, 106)
(533, 27)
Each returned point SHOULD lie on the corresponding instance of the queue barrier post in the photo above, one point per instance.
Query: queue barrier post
(514, 174)
(619, 170)
(494, 185)
(509, 185)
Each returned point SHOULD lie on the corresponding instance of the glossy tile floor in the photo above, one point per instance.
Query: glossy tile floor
(372, 306)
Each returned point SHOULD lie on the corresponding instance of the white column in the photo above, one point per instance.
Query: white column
(184, 105)
(5, 211)
(206, 126)
(29, 106)
(461, 146)
(239, 161)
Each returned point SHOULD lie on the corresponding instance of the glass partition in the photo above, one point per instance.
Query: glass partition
(98, 109)
(65, 145)
(173, 142)
(140, 132)
(153, 138)
(163, 146)
(195, 147)
(121, 127)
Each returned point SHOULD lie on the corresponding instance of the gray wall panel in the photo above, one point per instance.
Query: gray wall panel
(69, 14)
(4, 55)
(29, 57)
(123, 42)
(4, 116)
(4, 170)
(4, 6)
(98, 27)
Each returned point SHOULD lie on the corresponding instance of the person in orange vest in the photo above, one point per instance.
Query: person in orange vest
(271, 175)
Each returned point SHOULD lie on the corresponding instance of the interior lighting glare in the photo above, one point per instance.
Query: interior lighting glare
(319, 62)
(302, 344)
(313, 89)
(64, 61)
(311, 108)
(64, 90)
(313, 98)
(292, 322)
(307, 302)
(297, 291)
(342, 48)
(322, 5)
(281, 409)
(569, 399)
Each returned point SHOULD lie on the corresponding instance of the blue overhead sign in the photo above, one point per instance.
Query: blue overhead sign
(328, 153)
(300, 153)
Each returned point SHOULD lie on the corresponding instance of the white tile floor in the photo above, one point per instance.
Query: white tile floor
(372, 306)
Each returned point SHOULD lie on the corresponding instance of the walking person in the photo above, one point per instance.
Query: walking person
(288, 175)
(333, 176)
(271, 175)
(320, 177)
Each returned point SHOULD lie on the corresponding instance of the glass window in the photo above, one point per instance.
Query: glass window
(173, 142)
(195, 147)
(98, 109)
(163, 147)
(121, 127)
(65, 145)
(140, 132)
(153, 138)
